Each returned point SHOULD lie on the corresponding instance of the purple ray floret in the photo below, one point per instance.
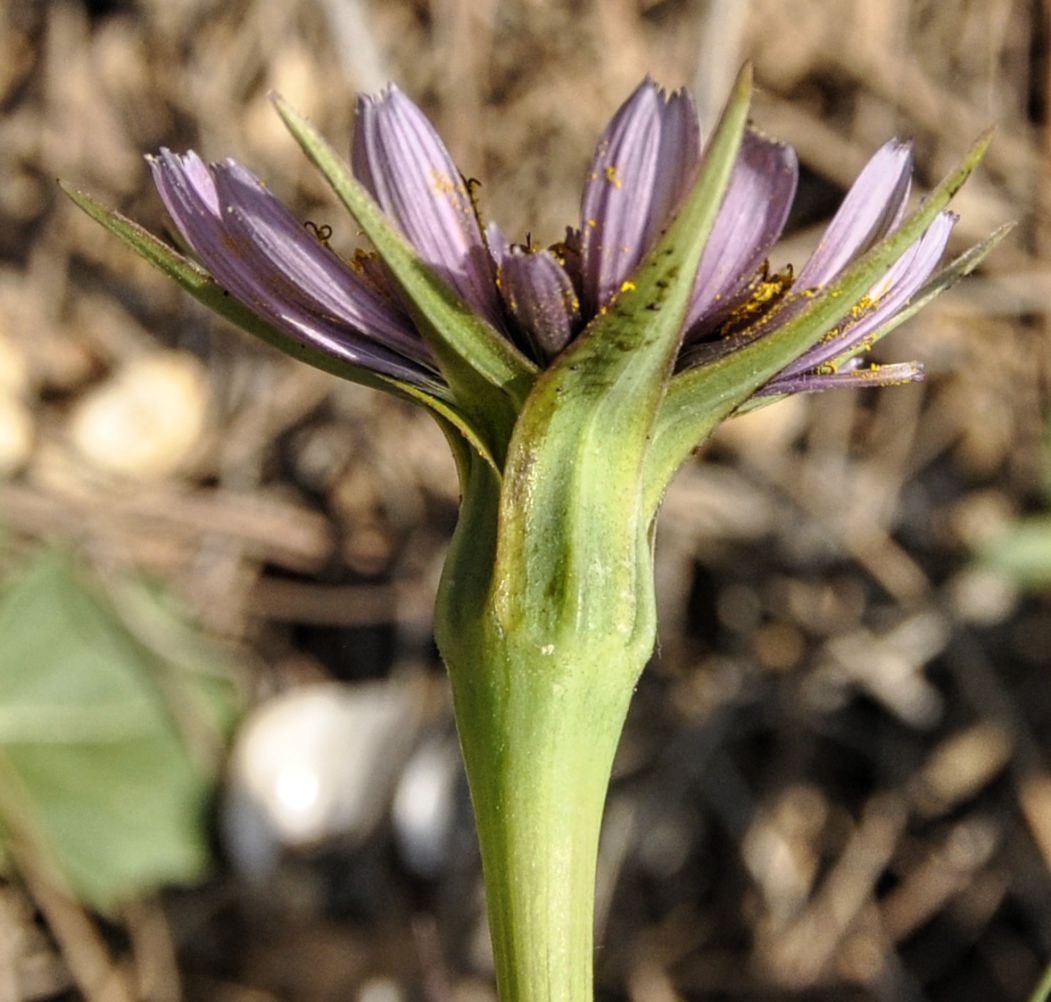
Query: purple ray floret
(538, 292)
(642, 167)
(883, 301)
(400, 159)
(853, 377)
(749, 223)
(257, 250)
(873, 206)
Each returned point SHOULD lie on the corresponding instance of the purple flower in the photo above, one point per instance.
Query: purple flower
(541, 298)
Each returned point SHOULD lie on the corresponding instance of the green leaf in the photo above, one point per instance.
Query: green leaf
(206, 290)
(489, 376)
(100, 775)
(699, 398)
(571, 532)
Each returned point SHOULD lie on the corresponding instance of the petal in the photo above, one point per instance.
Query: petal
(872, 207)
(640, 171)
(400, 159)
(222, 237)
(884, 299)
(876, 375)
(538, 294)
(749, 222)
(312, 274)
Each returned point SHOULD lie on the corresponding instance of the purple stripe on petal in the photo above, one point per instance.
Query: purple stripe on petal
(400, 159)
(188, 189)
(641, 169)
(890, 294)
(749, 222)
(871, 208)
(538, 294)
(812, 382)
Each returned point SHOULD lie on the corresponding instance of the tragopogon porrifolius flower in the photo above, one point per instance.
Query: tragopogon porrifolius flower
(540, 299)
(571, 382)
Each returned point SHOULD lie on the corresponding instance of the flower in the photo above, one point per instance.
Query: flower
(571, 383)
(540, 299)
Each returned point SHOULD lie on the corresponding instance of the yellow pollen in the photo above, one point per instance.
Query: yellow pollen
(766, 289)
(445, 185)
(612, 177)
(627, 286)
(863, 305)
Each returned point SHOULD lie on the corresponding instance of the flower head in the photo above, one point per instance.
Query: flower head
(540, 299)
(458, 316)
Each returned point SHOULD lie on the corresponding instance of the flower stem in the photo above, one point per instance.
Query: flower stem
(539, 711)
(538, 792)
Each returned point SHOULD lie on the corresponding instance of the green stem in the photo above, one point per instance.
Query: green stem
(539, 716)
(539, 750)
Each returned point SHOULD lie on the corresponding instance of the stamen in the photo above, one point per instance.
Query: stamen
(322, 233)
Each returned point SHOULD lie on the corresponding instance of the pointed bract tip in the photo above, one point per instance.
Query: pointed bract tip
(981, 144)
(745, 76)
(283, 108)
(79, 198)
(76, 195)
(294, 122)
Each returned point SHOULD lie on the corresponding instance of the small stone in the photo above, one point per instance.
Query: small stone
(315, 763)
(146, 420)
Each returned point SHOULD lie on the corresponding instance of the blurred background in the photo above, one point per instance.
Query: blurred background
(228, 771)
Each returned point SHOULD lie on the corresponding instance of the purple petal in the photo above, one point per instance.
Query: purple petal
(890, 294)
(538, 294)
(641, 169)
(315, 276)
(400, 159)
(872, 207)
(813, 382)
(749, 222)
(257, 251)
